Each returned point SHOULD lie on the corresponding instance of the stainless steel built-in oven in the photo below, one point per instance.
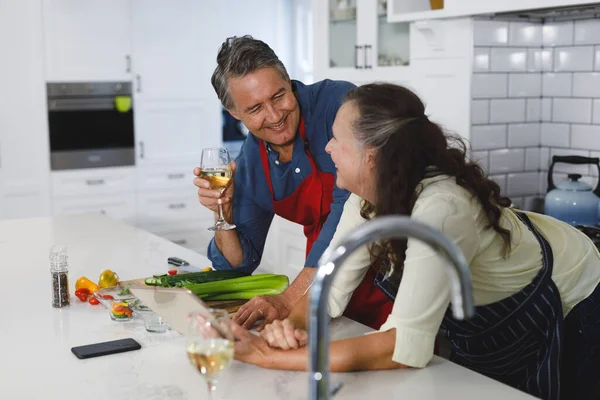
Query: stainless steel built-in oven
(91, 125)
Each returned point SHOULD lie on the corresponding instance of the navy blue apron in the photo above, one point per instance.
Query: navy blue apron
(517, 340)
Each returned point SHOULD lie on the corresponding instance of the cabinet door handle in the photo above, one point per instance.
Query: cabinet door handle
(127, 63)
(175, 176)
(138, 81)
(176, 206)
(141, 149)
(356, 48)
(93, 182)
(367, 48)
(180, 242)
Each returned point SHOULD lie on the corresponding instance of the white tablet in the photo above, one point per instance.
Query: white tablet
(172, 304)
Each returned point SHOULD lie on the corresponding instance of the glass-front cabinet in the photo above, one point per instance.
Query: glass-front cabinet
(353, 40)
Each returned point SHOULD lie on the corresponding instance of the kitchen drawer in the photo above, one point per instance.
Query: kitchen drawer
(193, 238)
(121, 206)
(170, 207)
(167, 177)
(93, 181)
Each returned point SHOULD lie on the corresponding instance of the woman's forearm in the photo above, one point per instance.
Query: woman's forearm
(368, 352)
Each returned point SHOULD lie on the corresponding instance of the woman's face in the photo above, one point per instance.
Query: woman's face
(353, 162)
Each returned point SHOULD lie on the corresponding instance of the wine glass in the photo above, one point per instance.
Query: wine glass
(214, 165)
(210, 344)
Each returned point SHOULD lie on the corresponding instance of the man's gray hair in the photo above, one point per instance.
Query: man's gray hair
(239, 56)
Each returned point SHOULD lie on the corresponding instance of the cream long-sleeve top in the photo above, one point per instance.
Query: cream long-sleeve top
(424, 292)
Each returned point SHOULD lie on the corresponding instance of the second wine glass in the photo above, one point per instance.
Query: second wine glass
(216, 170)
(210, 344)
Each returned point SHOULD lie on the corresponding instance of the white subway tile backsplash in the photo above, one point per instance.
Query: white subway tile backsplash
(484, 137)
(586, 84)
(570, 168)
(594, 169)
(508, 59)
(556, 135)
(596, 118)
(489, 86)
(501, 181)
(544, 159)
(587, 31)
(585, 137)
(547, 110)
(481, 59)
(540, 60)
(534, 203)
(491, 33)
(557, 34)
(507, 110)
(556, 84)
(481, 158)
(532, 159)
(536, 94)
(524, 183)
(524, 34)
(524, 85)
(523, 135)
(574, 59)
(480, 111)
(507, 160)
(572, 110)
(543, 183)
(534, 110)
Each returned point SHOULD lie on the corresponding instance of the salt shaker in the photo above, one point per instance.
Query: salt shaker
(59, 269)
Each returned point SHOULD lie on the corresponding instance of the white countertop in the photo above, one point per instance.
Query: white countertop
(36, 361)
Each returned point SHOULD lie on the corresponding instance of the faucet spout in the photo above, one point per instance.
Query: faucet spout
(381, 228)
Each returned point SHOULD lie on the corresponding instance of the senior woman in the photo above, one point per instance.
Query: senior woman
(535, 279)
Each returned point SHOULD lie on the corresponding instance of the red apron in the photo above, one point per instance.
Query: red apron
(309, 206)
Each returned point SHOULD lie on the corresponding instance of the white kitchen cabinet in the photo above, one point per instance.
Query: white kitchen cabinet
(414, 10)
(24, 151)
(93, 181)
(175, 45)
(176, 131)
(354, 41)
(170, 208)
(120, 206)
(87, 40)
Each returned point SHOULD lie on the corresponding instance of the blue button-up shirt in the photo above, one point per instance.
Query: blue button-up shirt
(253, 205)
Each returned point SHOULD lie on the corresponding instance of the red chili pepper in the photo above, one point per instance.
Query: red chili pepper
(107, 297)
(172, 272)
(93, 301)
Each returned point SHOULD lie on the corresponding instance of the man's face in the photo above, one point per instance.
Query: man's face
(263, 100)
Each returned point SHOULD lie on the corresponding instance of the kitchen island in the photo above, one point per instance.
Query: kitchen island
(36, 339)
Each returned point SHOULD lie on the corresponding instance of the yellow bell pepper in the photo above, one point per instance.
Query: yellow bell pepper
(108, 279)
(85, 283)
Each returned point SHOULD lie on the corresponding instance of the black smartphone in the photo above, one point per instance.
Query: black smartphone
(105, 348)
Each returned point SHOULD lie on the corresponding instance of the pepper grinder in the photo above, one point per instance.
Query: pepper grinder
(59, 269)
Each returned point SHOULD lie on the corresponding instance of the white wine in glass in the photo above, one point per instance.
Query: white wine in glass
(214, 167)
(210, 345)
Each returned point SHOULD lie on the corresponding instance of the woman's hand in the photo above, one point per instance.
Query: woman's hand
(250, 348)
(284, 335)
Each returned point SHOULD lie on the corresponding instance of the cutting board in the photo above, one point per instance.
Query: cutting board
(230, 305)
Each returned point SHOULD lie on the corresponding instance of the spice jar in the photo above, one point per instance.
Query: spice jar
(59, 269)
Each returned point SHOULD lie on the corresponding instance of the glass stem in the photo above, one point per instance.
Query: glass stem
(212, 387)
(221, 219)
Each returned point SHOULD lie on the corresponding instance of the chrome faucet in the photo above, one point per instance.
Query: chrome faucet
(381, 228)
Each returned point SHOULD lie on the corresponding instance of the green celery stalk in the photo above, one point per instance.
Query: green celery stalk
(261, 285)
